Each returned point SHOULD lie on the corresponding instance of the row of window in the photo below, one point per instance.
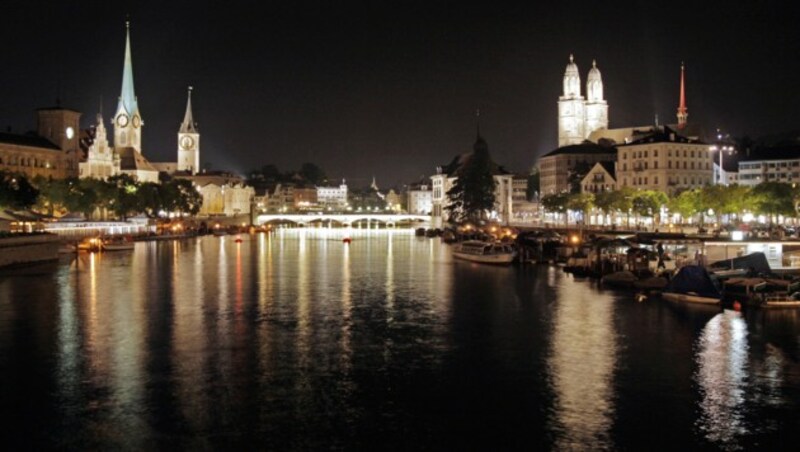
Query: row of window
(640, 166)
(27, 161)
(670, 181)
(748, 166)
(686, 154)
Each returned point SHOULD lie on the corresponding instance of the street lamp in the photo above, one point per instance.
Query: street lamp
(722, 150)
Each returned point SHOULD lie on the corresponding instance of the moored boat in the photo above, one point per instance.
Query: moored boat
(692, 284)
(622, 278)
(485, 252)
(117, 244)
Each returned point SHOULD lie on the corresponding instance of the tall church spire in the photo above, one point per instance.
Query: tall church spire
(127, 97)
(188, 125)
(127, 119)
(683, 113)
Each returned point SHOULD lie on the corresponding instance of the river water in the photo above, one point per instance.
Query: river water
(297, 341)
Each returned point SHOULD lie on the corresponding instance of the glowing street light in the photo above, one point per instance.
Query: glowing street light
(722, 150)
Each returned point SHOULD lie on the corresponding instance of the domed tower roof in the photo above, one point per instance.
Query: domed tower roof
(594, 73)
(594, 84)
(572, 80)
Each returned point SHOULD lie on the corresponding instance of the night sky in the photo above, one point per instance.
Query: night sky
(391, 89)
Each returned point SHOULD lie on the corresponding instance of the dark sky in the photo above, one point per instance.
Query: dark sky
(390, 88)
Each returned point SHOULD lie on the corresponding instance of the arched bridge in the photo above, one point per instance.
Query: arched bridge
(342, 219)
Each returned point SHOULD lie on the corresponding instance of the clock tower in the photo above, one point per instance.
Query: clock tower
(127, 119)
(189, 141)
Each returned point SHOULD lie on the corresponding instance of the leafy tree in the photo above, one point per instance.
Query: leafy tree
(580, 202)
(686, 203)
(150, 198)
(313, 174)
(622, 201)
(188, 199)
(472, 194)
(774, 198)
(16, 192)
(647, 203)
(52, 194)
(125, 201)
(555, 203)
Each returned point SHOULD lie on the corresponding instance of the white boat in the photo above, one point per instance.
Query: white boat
(485, 252)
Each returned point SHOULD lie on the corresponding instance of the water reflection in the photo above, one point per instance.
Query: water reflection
(297, 341)
(581, 367)
(722, 376)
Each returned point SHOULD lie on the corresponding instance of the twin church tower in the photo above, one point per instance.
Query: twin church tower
(578, 116)
(128, 122)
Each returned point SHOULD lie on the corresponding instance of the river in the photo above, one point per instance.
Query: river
(295, 340)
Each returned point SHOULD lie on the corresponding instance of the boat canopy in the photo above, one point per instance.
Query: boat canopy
(755, 262)
(693, 278)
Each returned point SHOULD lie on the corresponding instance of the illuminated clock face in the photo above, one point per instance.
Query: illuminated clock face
(70, 132)
(122, 120)
(136, 121)
(187, 142)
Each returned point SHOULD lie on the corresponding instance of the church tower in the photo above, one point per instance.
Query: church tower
(596, 106)
(683, 112)
(188, 141)
(571, 112)
(127, 120)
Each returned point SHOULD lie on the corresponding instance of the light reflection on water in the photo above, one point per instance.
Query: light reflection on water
(581, 367)
(722, 375)
(298, 341)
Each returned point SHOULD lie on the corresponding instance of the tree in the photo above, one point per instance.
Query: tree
(647, 203)
(16, 192)
(604, 201)
(313, 174)
(52, 194)
(774, 198)
(555, 203)
(622, 201)
(125, 201)
(472, 194)
(580, 202)
(151, 198)
(188, 199)
(686, 203)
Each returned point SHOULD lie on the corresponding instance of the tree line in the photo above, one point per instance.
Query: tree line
(119, 196)
(771, 199)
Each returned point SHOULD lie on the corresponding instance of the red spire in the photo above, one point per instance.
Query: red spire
(682, 110)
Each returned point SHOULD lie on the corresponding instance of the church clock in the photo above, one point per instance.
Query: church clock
(136, 121)
(187, 142)
(122, 120)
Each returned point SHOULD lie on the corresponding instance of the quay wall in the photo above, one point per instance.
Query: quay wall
(28, 249)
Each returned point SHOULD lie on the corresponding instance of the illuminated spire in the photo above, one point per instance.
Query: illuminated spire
(682, 110)
(127, 98)
(188, 125)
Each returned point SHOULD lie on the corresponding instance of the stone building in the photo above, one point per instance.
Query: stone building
(52, 151)
(558, 166)
(600, 178)
(419, 199)
(664, 160)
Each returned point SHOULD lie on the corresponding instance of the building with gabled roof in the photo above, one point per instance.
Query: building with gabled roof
(600, 178)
